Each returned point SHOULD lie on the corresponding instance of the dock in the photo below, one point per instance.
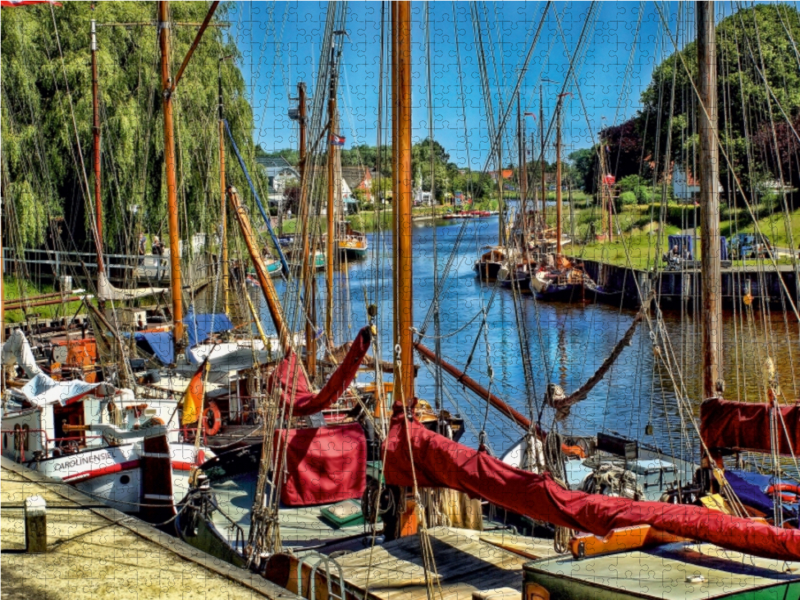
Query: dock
(468, 564)
(99, 552)
(766, 284)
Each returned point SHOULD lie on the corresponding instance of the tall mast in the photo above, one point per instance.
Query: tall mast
(709, 200)
(98, 201)
(330, 246)
(309, 280)
(403, 273)
(522, 175)
(501, 216)
(558, 178)
(541, 141)
(172, 184)
(223, 204)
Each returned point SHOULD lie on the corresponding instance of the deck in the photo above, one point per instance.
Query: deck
(98, 552)
(467, 562)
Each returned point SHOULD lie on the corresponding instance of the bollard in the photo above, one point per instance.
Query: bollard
(35, 524)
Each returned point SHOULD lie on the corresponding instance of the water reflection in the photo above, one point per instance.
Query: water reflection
(567, 344)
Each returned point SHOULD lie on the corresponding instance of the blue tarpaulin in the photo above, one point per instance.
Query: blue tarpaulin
(160, 343)
(200, 327)
(749, 487)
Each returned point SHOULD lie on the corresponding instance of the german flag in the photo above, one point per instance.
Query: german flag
(193, 397)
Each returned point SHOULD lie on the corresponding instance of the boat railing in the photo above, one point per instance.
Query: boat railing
(22, 442)
(321, 560)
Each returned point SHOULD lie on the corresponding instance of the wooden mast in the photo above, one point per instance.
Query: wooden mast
(172, 184)
(403, 265)
(98, 200)
(330, 247)
(709, 201)
(267, 287)
(309, 279)
(223, 207)
(522, 173)
(541, 142)
(558, 177)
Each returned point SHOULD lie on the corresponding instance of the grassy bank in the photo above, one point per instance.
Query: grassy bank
(15, 289)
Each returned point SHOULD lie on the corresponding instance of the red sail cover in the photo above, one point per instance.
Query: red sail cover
(296, 389)
(323, 465)
(440, 462)
(745, 426)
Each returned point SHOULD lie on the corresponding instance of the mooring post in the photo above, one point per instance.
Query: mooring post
(35, 525)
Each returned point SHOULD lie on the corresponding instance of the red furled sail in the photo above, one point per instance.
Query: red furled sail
(746, 426)
(323, 465)
(296, 389)
(440, 462)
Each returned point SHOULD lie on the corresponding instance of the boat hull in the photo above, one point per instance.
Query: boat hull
(487, 271)
(113, 475)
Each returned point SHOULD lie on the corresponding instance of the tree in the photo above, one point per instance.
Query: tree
(583, 167)
(42, 163)
(752, 45)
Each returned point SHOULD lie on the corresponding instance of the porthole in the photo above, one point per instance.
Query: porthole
(125, 480)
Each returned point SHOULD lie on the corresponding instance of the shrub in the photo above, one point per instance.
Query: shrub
(626, 198)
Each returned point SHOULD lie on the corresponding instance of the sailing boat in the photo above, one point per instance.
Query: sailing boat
(558, 277)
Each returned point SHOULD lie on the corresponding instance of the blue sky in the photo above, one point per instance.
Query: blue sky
(280, 43)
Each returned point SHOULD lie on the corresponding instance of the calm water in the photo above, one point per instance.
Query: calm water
(567, 343)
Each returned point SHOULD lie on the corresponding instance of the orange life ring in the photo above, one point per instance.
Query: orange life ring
(793, 489)
(212, 419)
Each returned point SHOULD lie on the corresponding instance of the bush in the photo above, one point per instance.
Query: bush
(626, 198)
(644, 195)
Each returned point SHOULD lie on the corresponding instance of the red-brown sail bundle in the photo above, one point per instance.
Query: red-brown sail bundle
(440, 462)
(746, 426)
(296, 389)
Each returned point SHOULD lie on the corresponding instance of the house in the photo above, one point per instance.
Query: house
(358, 178)
(684, 186)
(505, 173)
(279, 173)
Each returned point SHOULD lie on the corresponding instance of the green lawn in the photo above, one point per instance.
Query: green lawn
(12, 290)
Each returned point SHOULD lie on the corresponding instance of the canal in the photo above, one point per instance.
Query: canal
(565, 343)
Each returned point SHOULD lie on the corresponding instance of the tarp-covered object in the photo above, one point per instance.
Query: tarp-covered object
(323, 465)
(745, 426)
(296, 389)
(17, 350)
(440, 462)
(106, 291)
(160, 343)
(43, 391)
(200, 327)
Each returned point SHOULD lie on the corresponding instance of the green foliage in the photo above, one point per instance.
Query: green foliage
(582, 162)
(750, 42)
(639, 186)
(626, 198)
(38, 139)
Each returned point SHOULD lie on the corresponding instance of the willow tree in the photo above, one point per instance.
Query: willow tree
(46, 96)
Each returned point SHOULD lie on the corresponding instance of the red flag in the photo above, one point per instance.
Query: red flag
(12, 3)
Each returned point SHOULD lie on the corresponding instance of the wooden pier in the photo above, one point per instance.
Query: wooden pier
(765, 284)
(98, 552)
